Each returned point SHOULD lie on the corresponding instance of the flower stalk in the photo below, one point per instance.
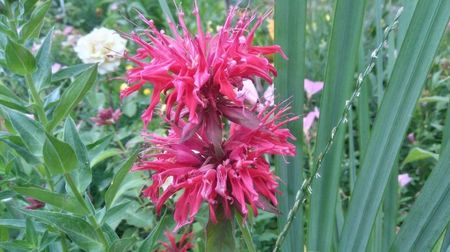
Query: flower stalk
(87, 209)
(39, 104)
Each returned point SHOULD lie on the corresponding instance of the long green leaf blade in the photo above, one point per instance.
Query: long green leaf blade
(290, 20)
(83, 174)
(111, 194)
(341, 65)
(406, 82)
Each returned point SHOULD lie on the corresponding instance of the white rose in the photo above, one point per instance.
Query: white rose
(103, 46)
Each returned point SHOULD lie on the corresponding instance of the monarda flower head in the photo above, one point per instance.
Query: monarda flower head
(230, 175)
(200, 73)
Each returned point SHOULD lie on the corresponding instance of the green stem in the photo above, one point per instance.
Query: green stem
(50, 183)
(246, 234)
(64, 246)
(84, 205)
(39, 105)
(119, 143)
(48, 177)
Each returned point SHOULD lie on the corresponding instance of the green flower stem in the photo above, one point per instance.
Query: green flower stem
(64, 246)
(245, 232)
(39, 105)
(48, 177)
(50, 183)
(84, 205)
(119, 143)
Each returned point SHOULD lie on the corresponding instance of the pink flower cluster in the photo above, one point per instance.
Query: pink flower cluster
(215, 150)
(107, 116)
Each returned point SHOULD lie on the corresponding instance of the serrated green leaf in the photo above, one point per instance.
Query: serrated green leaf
(33, 27)
(111, 193)
(19, 59)
(43, 74)
(61, 201)
(405, 85)
(79, 231)
(82, 175)
(73, 95)
(59, 156)
(430, 213)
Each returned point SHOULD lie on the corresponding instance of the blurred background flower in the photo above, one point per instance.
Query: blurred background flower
(404, 179)
(107, 117)
(103, 46)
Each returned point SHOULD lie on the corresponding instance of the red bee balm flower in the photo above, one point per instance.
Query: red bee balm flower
(183, 245)
(199, 73)
(232, 173)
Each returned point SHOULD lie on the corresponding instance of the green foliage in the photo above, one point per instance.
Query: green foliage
(19, 59)
(290, 19)
(73, 95)
(59, 156)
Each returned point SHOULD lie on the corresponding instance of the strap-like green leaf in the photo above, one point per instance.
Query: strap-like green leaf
(290, 25)
(339, 80)
(408, 76)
